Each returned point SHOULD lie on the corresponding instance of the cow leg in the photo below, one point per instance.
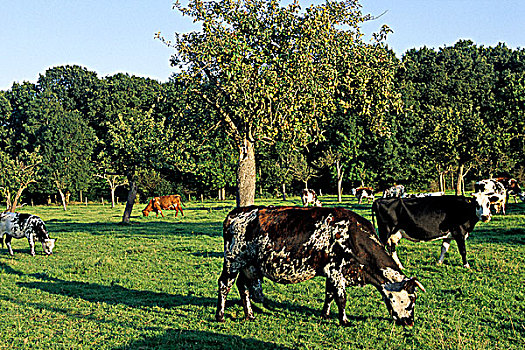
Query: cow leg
(444, 248)
(225, 284)
(337, 284)
(180, 208)
(31, 241)
(8, 244)
(242, 285)
(391, 245)
(329, 296)
(462, 251)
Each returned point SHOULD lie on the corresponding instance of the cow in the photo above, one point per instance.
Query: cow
(424, 194)
(171, 202)
(19, 225)
(394, 191)
(495, 191)
(363, 192)
(294, 244)
(308, 197)
(429, 218)
(512, 186)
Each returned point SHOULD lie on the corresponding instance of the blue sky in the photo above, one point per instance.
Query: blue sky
(118, 35)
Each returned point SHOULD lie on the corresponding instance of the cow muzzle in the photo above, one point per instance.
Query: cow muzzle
(408, 321)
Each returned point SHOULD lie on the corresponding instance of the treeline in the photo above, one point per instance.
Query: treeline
(73, 134)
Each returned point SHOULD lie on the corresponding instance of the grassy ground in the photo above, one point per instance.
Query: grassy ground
(153, 284)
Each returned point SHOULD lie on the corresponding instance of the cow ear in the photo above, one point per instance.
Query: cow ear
(411, 284)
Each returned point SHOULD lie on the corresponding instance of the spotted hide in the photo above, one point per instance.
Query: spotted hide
(17, 225)
(294, 244)
(308, 197)
(394, 191)
(363, 192)
(428, 219)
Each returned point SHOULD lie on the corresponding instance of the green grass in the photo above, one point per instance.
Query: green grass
(153, 284)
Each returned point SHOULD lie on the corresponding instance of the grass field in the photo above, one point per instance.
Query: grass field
(153, 285)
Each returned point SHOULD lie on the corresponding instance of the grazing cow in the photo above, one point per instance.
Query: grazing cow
(394, 191)
(495, 191)
(512, 187)
(293, 244)
(428, 219)
(425, 194)
(17, 225)
(171, 202)
(363, 192)
(309, 197)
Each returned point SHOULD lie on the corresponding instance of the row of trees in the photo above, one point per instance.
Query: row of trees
(268, 97)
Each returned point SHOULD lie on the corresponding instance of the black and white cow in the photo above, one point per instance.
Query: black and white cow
(19, 225)
(294, 244)
(495, 191)
(512, 186)
(428, 219)
(363, 192)
(308, 197)
(394, 191)
(425, 194)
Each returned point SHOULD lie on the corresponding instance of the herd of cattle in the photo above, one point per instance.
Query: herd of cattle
(294, 244)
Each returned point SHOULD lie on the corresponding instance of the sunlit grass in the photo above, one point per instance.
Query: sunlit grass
(153, 284)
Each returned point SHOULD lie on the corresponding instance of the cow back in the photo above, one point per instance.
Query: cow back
(424, 218)
(307, 238)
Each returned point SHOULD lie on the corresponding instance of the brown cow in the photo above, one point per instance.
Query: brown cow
(171, 202)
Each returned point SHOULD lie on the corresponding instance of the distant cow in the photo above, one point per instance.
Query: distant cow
(394, 191)
(308, 197)
(19, 225)
(425, 194)
(363, 192)
(512, 186)
(495, 191)
(429, 218)
(292, 245)
(171, 202)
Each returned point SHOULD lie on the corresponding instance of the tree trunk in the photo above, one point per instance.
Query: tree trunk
(284, 191)
(12, 208)
(339, 182)
(113, 197)
(459, 182)
(132, 194)
(63, 198)
(246, 175)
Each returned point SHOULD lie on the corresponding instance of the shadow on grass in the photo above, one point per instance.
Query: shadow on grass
(499, 235)
(55, 227)
(188, 339)
(114, 294)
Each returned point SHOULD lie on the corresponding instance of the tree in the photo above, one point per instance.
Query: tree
(16, 174)
(268, 72)
(66, 143)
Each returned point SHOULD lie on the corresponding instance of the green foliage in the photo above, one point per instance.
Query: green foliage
(66, 143)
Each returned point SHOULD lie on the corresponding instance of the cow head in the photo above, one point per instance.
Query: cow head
(48, 245)
(400, 299)
(482, 206)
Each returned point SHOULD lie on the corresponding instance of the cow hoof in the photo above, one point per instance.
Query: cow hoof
(219, 319)
(344, 323)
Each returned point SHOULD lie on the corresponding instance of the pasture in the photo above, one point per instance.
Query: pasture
(153, 285)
